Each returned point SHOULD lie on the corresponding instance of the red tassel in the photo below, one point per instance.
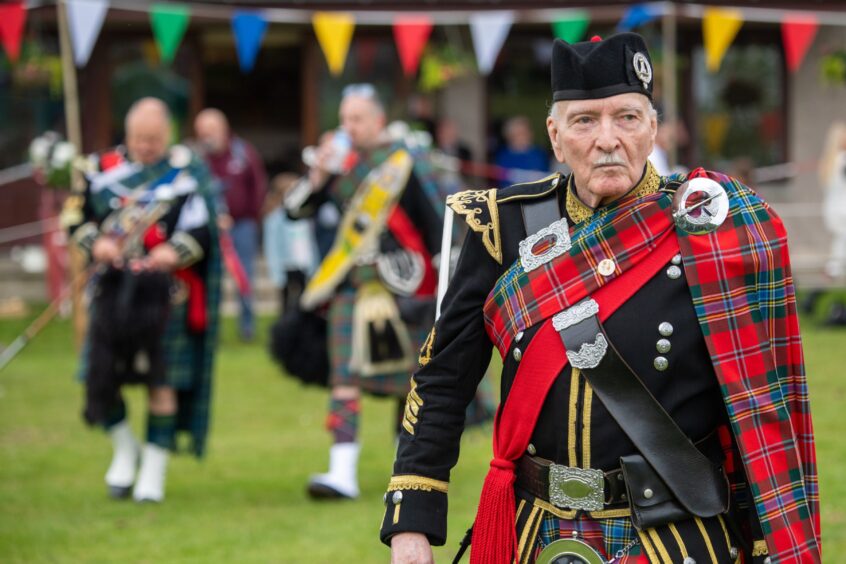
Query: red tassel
(494, 533)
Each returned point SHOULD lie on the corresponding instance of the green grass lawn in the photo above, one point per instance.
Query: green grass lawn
(245, 502)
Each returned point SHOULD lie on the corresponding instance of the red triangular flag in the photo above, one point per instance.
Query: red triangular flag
(411, 34)
(797, 33)
(12, 18)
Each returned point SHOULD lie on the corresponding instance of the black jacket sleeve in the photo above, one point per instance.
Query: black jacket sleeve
(453, 361)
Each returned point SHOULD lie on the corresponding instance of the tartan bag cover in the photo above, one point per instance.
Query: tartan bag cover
(742, 288)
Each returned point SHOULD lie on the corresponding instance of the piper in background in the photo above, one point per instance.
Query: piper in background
(148, 222)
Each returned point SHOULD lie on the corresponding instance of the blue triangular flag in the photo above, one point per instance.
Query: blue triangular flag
(636, 16)
(249, 28)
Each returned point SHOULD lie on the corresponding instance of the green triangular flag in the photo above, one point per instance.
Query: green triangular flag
(571, 27)
(169, 22)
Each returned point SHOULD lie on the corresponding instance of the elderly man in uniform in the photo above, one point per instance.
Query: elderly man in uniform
(148, 224)
(655, 407)
(378, 278)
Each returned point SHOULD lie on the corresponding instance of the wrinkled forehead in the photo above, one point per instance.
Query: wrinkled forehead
(359, 106)
(611, 105)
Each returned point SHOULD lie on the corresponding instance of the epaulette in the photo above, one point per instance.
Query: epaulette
(481, 212)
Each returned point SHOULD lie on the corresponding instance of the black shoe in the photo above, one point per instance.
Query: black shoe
(120, 492)
(324, 492)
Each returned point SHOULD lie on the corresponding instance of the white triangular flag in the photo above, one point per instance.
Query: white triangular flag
(85, 19)
(489, 30)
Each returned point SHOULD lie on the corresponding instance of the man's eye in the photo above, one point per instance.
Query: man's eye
(629, 117)
(583, 120)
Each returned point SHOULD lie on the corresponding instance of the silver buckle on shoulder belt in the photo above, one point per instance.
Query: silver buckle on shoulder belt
(576, 488)
(553, 240)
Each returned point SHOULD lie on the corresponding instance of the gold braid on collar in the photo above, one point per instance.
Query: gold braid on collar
(579, 211)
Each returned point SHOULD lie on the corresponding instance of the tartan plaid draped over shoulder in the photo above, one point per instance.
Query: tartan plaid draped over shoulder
(742, 288)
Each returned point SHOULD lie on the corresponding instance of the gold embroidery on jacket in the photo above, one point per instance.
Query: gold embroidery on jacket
(426, 349)
(579, 211)
(413, 403)
(421, 483)
(471, 204)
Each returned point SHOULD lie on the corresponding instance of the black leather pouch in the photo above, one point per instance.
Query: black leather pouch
(651, 501)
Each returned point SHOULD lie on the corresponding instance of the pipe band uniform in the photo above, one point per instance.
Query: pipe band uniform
(147, 224)
(654, 399)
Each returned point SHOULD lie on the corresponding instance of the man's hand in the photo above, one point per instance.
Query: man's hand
(105, 250)
(225, 221)
(162, 257)
(411, 548)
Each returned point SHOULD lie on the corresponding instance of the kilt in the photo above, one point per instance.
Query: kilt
(539, 524)
(340, 349)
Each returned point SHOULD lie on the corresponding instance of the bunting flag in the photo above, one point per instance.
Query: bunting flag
(719, 28)
(12, 19)
(411, 34)
(489, 30)
(334, 33)
(571, 27)
(169, 23)
(249, 29)
(636, 16)
(85, 20)
(797, 33)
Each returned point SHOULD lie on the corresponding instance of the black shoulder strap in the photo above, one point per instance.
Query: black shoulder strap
(539, 213)
(696, 482)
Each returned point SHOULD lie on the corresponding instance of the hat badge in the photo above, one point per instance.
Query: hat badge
(642, 68)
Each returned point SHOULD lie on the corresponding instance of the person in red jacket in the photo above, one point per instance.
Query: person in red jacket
(240, 170)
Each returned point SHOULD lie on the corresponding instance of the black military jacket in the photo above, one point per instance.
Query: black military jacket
(573, 428)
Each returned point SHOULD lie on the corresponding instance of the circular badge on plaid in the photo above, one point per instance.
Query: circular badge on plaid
(570, 551)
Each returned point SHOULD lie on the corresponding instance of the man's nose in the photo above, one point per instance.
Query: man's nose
(607, 139)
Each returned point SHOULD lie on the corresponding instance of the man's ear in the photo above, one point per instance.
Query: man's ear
(552, 131)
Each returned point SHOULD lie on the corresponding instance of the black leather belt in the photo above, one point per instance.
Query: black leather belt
(533, 477)
(533, 474)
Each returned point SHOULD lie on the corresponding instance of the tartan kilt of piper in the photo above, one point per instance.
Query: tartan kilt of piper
(539, 524)
(340, 349)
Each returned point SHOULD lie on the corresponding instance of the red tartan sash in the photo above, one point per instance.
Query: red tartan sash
(494, 534)
(625, 232)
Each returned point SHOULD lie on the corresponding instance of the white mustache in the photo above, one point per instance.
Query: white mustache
(609, 159)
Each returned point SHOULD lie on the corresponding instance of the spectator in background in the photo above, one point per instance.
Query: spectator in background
(671, 134)
(833, 178)
(240, 170)
(289, 246)
(524, 160)
(449, 144)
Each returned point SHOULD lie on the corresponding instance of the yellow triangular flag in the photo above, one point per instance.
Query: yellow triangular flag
(334, 31)
(719, 27)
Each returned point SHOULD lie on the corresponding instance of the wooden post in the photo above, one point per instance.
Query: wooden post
(74, 131)
(668, 72)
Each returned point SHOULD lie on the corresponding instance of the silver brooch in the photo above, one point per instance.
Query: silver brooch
(700, 206)
(642, 69)
(589, 355)
(555, 235)
(579, 312)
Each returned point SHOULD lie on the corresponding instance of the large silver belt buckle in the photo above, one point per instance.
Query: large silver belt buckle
(576, 488)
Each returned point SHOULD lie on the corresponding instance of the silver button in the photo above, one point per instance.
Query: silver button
(518, 337)
(663, 346)
(555, 181)
(661, 363)
(768, 560)
(648, 493)
(397, 498)
(606, 267)
(733, 552)
(674, 272)
(689, 560)
(665, 328)
(517, 354)
(531, 449)
(676, 260)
